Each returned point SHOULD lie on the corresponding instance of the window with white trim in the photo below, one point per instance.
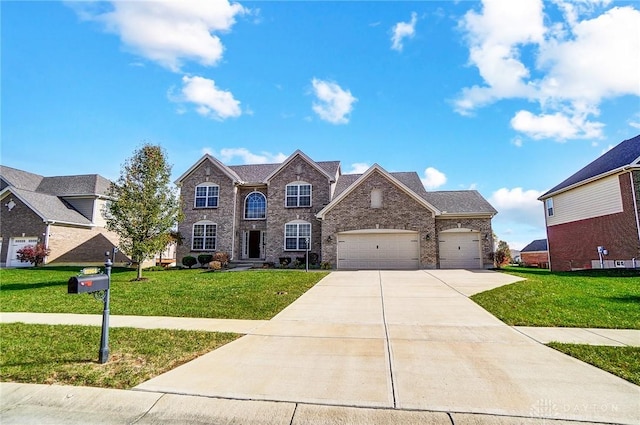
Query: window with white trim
(255, 206)
(204, 236)
(549, 204)
(298, 195)
(207, 195)
(296, 235)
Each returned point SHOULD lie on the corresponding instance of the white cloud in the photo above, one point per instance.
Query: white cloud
(167, 31)
(518, 206)
(358, 168)
(210, 101)
(403, 30)
(333, 104)
(433, 178)
(227, 155)
(579, 62)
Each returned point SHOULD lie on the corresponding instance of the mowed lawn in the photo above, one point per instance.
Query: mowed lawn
(258, 294)
(587, 299)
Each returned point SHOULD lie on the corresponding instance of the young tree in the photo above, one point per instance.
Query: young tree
(144, 208)
(503, 254)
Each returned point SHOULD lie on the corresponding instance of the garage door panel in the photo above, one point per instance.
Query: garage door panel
(378, 251)
(15, 245)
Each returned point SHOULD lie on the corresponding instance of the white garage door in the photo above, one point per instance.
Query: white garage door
(15, 244)
(460, 250)
(379, 250)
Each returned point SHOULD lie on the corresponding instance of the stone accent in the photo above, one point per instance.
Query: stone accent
(399, 211)
(297, 170)
(207, 172)
(483, 225)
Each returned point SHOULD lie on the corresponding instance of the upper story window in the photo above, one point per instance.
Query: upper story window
(549, 205)
(255, 206)
(297, 236)
(298, 195)
(207, 195)
(204, 236)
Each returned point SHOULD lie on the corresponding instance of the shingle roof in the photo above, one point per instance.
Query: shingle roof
(449, 202)
(20, 179)
(257, 173)
(626, 153)
(537, 245)
(82, 185)
(460, 202)
(50, 207)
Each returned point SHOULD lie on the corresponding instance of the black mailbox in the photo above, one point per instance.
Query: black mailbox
(83, 284)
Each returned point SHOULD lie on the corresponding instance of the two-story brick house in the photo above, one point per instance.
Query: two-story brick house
(597, 206)
(372, 220)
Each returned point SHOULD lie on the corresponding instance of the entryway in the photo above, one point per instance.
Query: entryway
(253, 245)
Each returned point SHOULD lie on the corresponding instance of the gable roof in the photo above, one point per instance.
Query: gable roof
(625, 154)
(49, 207)
(299, 153)
(348, 182)
(537, 245)
(206, 157)
(19, 178)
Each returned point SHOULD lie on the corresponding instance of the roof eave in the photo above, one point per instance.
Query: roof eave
(304, 156)
(615, 171)
(226, 170)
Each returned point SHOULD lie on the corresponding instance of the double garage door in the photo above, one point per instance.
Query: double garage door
(378, 250)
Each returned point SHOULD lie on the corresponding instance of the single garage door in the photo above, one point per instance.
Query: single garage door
(460, 250)
(15, 244)
(378, 250)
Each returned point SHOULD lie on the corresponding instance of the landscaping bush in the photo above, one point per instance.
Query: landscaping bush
(222, 257)
(189, 261)
(33, 254)
(313, 258)
(204, 259)
(325, 265)
(284, 261)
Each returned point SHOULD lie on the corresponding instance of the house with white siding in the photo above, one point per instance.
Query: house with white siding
(592, 217)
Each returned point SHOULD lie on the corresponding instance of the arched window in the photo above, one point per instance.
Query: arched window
(296, 235)
(298, 194)
(207, 195)
(255, 206)
(204, 236)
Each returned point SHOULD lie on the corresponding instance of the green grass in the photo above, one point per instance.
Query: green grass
(259, 294)
(621, 361)
(593, 298)
(68, 355)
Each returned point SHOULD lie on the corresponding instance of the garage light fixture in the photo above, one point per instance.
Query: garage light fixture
(427, 237)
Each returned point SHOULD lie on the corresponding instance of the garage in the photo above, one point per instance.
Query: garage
(15, 244)
(379, 249)
(460, 249)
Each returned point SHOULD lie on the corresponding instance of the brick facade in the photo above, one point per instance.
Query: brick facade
(17, 222)
(574, 245)
(535, 259)
(482, 225)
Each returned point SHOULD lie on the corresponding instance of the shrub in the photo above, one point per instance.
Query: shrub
(155, 269)
(222, 257)
(313, 258)
(33, 254)
(284, 261)
(204, 259)
(215, 265)
(325, 265)
(189, 261)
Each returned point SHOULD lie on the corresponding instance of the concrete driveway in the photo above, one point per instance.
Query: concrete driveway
(404, 340)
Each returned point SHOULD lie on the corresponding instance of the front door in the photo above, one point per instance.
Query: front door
(255, 240)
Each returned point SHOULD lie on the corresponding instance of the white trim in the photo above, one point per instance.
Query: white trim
(616, 171)
(298, 184)
(363, 177)
(244, 206)
(297, 223)
(204, 237)
(226, 170)
(304, 157)
(206, 197)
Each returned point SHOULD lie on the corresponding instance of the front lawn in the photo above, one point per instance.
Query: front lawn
(68, 355)
(258, 294)
(621, 361)
(586, 299)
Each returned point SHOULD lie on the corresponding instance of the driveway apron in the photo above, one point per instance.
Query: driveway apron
(406, 340)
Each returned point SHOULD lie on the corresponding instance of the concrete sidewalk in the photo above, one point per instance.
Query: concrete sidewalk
(544, 335)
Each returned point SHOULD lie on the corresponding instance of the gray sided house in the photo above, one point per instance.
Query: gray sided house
(63, 212)
(374, 220)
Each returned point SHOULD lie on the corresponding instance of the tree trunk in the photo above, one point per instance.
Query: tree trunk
(139, 271)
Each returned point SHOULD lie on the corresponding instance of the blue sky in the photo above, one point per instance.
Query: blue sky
(508, 98)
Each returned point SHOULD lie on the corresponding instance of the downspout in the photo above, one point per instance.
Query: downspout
(635, 203)
(233, 226)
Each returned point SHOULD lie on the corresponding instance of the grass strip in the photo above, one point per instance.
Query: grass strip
(591, 299)
(620, 361)
(68, 355)
(255, 295)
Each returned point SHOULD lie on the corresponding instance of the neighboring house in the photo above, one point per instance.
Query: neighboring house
(63, 212)
(597, 207)
(373, 220)
(536, 254)
(515, 255)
